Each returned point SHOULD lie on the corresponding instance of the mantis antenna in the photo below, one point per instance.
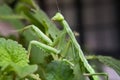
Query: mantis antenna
(58, 6)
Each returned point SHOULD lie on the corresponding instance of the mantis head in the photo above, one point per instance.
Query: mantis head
(58, 17)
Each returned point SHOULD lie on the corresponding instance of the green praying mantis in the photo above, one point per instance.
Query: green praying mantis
(48, 45)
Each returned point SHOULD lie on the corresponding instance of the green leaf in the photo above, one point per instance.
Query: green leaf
(77, 72)
(25, 70)
(38, 56)
(12, 52)
(111, 62)
(5, 15)
(39, 19)
(46, 23)
(58, 70)
(13, 57)
(28, 2)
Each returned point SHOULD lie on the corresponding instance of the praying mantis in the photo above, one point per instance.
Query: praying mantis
(48, 45)
(58, 17)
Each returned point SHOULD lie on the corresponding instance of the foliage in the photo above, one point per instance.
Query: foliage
(15, 64)
(13, 58)
(111, 62)
(57, 69)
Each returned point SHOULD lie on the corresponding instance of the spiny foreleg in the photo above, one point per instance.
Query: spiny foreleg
(43, 47)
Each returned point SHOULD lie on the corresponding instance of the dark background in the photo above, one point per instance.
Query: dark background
(97, 21)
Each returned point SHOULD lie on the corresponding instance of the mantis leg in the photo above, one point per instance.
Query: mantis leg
(42, 46)
(38, 33)
(103, 74)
